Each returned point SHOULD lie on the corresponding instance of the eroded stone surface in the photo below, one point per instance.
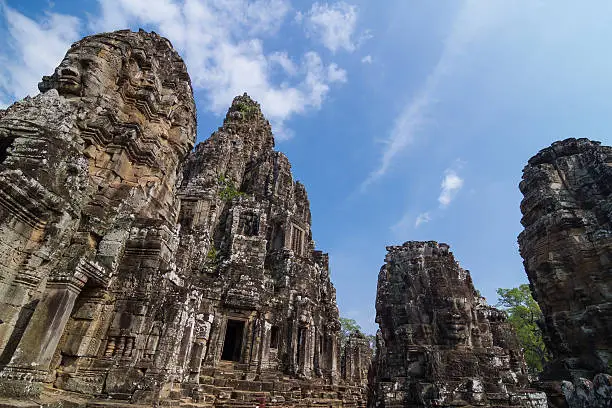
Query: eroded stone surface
(356, 359)
(439, 343)
(567, 250)
(134, 270)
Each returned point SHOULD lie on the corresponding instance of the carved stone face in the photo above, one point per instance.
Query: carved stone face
(85, 71)
(453, 321)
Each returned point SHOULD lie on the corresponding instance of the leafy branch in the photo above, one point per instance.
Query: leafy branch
(246, 109)
(228, 190)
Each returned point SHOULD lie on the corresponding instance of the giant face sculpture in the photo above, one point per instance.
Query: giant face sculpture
(88, 69)
(138, 117)
(453, 320)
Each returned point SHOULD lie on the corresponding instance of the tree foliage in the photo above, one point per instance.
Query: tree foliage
(524, 314)
(228, 190)
(348, 326)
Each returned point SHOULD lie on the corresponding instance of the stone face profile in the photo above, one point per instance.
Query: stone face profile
(135, 269)
(567, 250)
(439, 344)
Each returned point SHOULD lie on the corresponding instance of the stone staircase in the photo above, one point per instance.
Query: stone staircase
(228, 385)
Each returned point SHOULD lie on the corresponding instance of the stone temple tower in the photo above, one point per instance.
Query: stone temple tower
(266, 300)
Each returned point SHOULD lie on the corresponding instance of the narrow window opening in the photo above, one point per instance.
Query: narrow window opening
(187, 214)
(297, 240)
(248, 224)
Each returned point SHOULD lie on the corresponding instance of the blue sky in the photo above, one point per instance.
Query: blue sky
(406, 120)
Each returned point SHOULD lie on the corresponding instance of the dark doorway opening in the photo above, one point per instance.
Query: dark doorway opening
(274, 337)
(232, 345)
(5, 143)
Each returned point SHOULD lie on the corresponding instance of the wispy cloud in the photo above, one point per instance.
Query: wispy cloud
(32, 50)
(333, 25)
(451, 184)
(422, 219)
(367, 59)
(472, 21)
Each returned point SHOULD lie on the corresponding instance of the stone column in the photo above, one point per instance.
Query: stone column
(215, 342)
(258, 341)
(198, 351)
(30, 363)
(308, 350)
(334, 359)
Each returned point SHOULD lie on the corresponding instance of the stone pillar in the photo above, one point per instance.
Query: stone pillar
(30, 363)
(258, 341)
(334, 359)
(264, 353)
(317, 352)
(197, 352)
(308, 350)
(215, 342)
(199, 348)
(187, 342)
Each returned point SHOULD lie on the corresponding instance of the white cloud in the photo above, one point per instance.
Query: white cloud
(336, 74)
(422, 219)
(334, 25)
(451, 184)
(33, 49)
(472, 22)
(222, 42)
(367, 59)
(449, 188)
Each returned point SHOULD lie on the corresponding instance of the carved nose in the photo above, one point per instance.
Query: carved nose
(69, 71)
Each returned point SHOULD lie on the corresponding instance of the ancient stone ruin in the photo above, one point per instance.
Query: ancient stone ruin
(134, 271)
(567, 252)
(356, 359)
(439, 343)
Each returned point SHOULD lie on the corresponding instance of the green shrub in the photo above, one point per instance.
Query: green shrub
(228, 190)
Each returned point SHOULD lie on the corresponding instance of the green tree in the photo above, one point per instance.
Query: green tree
(524, 314)
(347, 326)
(228, 190)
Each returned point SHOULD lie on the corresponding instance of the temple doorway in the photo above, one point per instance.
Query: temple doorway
(232, 345)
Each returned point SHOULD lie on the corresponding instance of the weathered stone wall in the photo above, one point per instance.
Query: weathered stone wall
(567, 250)
(439, 344)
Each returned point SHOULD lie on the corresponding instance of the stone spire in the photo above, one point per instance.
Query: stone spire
(244, 118)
